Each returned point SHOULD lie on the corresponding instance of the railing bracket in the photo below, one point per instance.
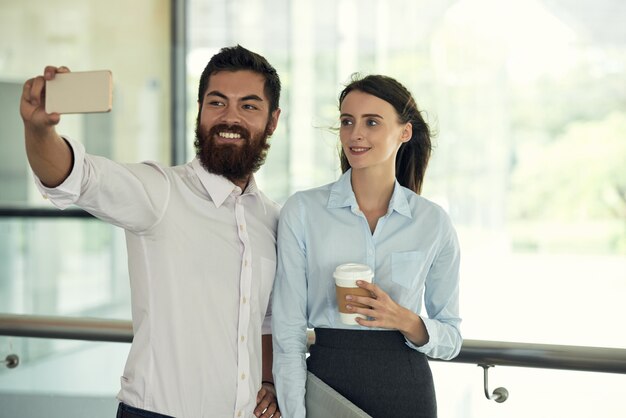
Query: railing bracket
(499, 394)
(11, 361)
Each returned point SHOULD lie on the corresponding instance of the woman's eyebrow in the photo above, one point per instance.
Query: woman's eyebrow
(367, 115)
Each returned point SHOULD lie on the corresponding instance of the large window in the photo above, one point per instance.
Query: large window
(74, 266)
(528, 102)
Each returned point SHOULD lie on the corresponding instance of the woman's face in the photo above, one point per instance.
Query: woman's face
(370, 132)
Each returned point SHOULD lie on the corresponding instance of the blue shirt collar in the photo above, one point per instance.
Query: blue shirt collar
(342, 195)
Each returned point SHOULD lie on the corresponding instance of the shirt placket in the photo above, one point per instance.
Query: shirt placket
(370, 240)
(245, 281)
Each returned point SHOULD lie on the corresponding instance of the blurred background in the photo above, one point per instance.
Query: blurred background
(528, 101)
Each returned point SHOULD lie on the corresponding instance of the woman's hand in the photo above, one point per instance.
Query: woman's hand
(384, 312)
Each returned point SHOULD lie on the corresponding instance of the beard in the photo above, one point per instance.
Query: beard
(236, 162)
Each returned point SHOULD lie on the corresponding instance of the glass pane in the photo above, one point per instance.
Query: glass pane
(528, 104)
(129, 38)
(73, 267)
(59, 378)
(532, 392)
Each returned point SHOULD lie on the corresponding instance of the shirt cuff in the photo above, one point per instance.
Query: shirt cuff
(266, 327)
(68, 192)
(431, 329)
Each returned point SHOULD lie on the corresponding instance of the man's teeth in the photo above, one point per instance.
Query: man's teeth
(229, 135)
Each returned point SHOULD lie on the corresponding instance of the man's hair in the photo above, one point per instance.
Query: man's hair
(238, 58)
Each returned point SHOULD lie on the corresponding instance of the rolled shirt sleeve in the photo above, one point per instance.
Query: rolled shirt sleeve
(68, 192)
(131, 196)
(289, 309)
(442, 300)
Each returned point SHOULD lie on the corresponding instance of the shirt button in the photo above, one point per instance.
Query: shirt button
(245, 263)
(241, 227)
(242, 338)
(239, 413)
(244, 299)
(243, 376)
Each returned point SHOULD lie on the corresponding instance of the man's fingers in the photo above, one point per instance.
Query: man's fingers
(271, 411)
(32, 90)
(50, 71)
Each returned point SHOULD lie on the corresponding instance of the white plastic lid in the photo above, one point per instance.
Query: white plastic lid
(346, 274)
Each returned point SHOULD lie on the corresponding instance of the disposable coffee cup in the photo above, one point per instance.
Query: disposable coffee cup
(346, 276)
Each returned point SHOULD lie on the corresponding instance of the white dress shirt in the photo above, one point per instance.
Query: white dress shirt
(201, 257)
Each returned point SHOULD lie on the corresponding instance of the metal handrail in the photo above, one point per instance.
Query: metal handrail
(480, 352)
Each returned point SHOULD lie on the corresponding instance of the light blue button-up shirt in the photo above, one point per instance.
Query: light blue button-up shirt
(414, 253)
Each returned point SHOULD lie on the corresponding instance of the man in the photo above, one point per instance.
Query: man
(200, 239)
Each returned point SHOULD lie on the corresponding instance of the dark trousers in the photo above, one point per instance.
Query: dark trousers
(125, 411)
(376, 371)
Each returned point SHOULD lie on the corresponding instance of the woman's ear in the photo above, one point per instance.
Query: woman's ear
(407, 132)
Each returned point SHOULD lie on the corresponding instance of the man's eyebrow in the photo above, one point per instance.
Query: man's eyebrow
(251, 97)
(243, 99)
(216, 93)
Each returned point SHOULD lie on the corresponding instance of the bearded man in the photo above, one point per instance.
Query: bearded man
(201, 243)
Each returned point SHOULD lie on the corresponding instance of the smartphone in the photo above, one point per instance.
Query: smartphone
(80, 92)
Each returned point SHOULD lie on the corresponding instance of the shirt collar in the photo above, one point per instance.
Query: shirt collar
(219, 187)
(342, 195)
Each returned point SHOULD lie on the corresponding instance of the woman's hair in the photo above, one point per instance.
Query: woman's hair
(238, 58)
(413, 155)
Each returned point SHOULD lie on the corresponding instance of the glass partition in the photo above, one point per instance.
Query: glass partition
(528, 104)
(129, 38)
(527, 101)
(58, 265)
(526, 98)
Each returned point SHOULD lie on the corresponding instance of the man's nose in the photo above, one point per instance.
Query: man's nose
(231, 115)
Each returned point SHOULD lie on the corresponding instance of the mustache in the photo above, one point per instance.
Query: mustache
(235, 129)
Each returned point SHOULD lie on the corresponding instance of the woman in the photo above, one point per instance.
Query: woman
(372, 215)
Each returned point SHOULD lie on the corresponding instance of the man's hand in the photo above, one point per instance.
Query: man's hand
(32, 104)
(50, 157)
(266, 403)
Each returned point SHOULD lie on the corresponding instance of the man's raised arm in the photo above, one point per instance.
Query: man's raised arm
(49, 155)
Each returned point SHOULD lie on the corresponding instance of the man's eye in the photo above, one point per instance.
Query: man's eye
(215, 103)
(249, 107)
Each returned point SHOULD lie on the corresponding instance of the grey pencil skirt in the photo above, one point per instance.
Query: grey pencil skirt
(376, 371)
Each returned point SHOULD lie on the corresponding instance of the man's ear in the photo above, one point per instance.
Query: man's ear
(274, 121)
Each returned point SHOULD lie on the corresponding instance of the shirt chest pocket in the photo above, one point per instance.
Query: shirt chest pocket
(408, 268)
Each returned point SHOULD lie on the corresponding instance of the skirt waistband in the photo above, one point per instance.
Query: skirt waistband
(361, 339)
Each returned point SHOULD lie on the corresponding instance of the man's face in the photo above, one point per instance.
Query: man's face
(233, 124)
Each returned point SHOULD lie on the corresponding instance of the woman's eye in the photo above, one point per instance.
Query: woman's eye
(372, 122)
(345, 122)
